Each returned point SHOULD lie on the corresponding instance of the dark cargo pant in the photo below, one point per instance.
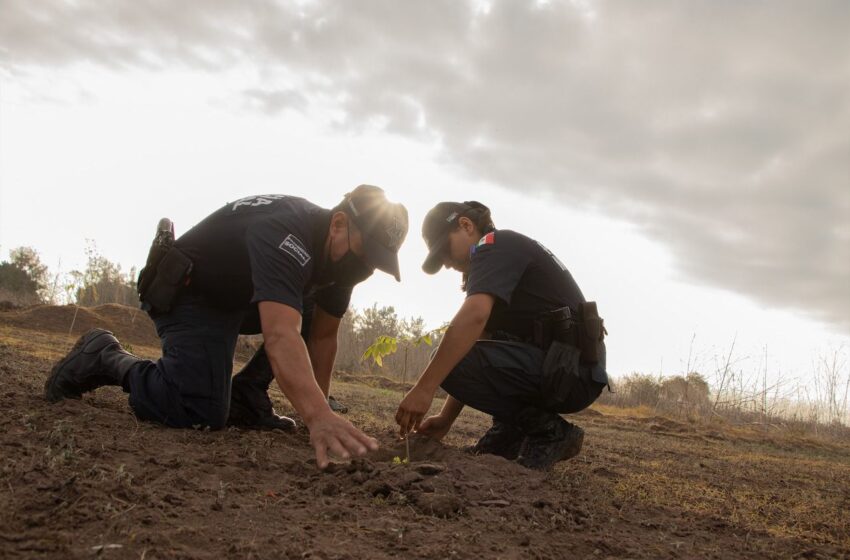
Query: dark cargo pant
(190, 385)
(502, 378)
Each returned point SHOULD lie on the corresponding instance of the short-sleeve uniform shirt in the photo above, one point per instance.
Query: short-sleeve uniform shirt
(525, 278)
(263, 248)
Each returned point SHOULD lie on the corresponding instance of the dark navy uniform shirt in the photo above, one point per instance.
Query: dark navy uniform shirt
(263, 248)
(525, 278)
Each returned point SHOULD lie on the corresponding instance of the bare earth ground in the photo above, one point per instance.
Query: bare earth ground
(84, 479)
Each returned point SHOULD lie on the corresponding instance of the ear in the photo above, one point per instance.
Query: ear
(466, 224)
(339, 222)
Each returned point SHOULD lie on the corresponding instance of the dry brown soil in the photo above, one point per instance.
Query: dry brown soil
(83, 479)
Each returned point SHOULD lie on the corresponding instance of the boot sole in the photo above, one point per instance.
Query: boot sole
(247, 419)
(51, 392)
(264, 427)
(276, 425)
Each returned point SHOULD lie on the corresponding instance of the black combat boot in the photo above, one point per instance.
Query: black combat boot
(250, 405)
(501, 439)
(549, 439)
(97, 359)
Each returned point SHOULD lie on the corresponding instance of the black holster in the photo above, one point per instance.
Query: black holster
(166, 271)
(561, 372)
(584, 330)
(550, 326)
(590, 333)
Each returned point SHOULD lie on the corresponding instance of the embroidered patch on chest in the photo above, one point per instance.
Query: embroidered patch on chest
(296, 249)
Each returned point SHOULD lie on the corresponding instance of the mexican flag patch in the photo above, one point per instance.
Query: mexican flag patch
(488, 239)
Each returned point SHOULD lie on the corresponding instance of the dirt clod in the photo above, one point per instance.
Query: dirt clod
(494, 503)
(378, 488)
(360, 477)
(329, 489)
(429, 469)
(409, 478)
(439, 505)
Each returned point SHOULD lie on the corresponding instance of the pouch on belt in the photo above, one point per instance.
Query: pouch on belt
(560, 372)
(166, 271)
(591, 333)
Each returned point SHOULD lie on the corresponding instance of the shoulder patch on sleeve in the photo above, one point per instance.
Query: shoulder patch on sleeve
(488, 239)
(296, 249)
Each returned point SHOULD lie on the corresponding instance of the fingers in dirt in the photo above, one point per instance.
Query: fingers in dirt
(370, 443)
(338, 448)
(403, 427)
(321, 456)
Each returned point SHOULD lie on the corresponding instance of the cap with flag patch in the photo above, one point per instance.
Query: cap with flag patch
(383, 224)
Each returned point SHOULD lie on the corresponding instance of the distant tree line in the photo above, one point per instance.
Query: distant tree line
(25, 280)
(683, 395)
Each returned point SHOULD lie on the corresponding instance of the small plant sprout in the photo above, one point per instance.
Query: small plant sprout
(387, 345)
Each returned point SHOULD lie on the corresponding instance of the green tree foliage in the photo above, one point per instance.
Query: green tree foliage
(409, 336)
(23, 278)
(381, 325)
(102, 281)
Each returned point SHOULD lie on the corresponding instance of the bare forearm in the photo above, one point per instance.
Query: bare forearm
(451, 408)
(323, 355)
(294, 373)
(459, 339)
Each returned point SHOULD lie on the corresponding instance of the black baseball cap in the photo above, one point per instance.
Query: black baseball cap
(438, 223)
(383, 224)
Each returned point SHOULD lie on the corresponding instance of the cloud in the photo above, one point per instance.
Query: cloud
(719, 127)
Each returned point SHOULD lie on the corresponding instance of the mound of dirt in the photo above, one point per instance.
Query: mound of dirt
(421, 449)
(129, 324)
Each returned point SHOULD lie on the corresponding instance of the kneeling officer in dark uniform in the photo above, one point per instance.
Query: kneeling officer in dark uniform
(274, 264)
(524, 347)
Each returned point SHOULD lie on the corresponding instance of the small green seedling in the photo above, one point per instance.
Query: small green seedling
(387, 345)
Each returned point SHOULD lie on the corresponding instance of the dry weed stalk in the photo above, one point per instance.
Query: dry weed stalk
(816, 403)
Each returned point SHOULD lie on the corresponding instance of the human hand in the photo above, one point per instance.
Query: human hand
(412, 409)
(435, 427)
(331, 433)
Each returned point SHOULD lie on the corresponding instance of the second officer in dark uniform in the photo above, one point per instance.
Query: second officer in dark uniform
(524, 347)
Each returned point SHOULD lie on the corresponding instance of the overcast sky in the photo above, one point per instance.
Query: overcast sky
(688, 157)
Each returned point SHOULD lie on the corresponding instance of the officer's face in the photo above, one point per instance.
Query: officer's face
(457, 254)
(344, 236)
